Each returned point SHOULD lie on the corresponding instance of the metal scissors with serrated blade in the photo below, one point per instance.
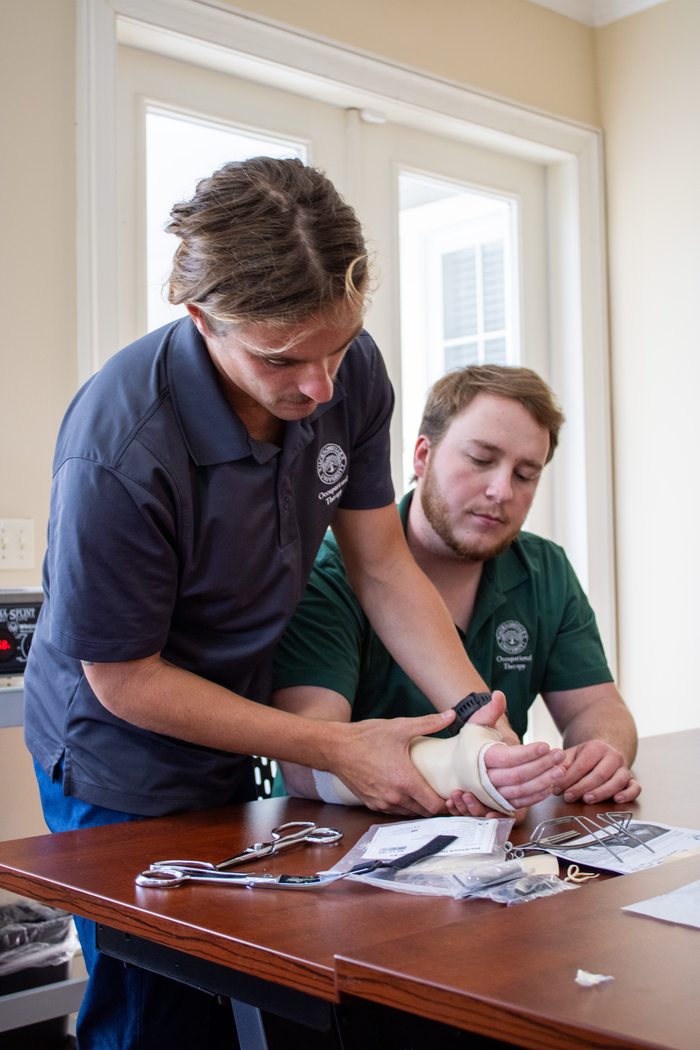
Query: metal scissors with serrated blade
(280, 838)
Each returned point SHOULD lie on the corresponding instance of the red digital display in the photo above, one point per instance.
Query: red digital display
(4, 644)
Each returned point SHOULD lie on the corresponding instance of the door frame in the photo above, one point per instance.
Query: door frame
(214, 35)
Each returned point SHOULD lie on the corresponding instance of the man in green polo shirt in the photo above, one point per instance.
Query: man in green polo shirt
(486, 434)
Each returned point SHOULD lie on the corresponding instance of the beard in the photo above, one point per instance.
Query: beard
(436, 511)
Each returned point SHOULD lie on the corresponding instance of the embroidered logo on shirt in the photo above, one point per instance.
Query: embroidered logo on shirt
(331, 464)
(512, 637)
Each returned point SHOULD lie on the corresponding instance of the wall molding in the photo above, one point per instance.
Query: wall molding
(596, 13)
(216, 36)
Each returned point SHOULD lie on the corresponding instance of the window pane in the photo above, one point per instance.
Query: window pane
(459, 293)
(494, 287)
(461, 355)
(495, 352)
(458, 287)
(179, 152)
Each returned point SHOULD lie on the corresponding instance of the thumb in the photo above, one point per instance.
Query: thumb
(489, 714)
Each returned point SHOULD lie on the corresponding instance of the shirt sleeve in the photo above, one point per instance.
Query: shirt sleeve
(322, 645)
(112, 565)
(369, 484)
(576, 658)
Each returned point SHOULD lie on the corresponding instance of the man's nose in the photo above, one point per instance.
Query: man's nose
(500, 486)
(317, 382)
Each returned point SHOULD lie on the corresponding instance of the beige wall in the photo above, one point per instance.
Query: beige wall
(509, 47)
(650, 99)
(38, 362)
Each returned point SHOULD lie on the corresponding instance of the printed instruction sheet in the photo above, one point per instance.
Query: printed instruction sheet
(660, 842)
(391, 841)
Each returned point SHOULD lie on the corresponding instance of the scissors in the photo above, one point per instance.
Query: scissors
(280, 838)
(174, 874)
(167, 877)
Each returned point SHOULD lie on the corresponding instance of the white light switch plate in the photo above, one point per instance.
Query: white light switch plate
(16, 543)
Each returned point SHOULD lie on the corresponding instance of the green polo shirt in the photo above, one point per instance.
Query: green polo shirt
(532, 631)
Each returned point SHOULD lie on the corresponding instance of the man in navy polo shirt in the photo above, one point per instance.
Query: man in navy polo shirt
(194, 479)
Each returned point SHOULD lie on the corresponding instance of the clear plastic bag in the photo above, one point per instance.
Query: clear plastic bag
(33, 934)
(509, 883)
(433, 876)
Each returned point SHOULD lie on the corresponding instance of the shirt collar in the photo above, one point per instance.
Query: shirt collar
(213, 431)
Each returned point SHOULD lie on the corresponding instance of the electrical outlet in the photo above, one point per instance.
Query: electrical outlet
(16, 543)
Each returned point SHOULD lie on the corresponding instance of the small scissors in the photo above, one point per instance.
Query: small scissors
(280, 837)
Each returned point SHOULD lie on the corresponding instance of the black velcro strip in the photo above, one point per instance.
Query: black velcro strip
(430, 848)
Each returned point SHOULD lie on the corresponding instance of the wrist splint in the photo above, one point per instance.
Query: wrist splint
(457, 764)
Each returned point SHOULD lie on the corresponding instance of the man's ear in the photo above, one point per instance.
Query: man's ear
(198, 318)
(420, 455)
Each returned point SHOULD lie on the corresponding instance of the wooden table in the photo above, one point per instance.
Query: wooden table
(511, 974)
(311, 948)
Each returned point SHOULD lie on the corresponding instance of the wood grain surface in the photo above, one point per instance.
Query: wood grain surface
(380, 942)
(510, 974)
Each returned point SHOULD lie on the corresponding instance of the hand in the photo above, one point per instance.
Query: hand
(595, 771)
(372, 759)
(464, 804)
(523, 774)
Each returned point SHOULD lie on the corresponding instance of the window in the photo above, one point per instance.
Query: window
(459, 287)
(181, 150)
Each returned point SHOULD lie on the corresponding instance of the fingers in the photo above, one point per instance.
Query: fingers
(534, 764)
(530, 778)
(402, 795)
(490, 713)
(630, 792)
(503, 756)
(598, 786)
(464, 804)
(596, 771)
(427, 724)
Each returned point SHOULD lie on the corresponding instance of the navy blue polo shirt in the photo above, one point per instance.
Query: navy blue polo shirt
(172, 531)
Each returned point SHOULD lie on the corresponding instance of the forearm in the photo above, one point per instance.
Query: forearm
(298, 780)
(162, 698)
(412, 621)
(308, 702)
(370, 757)
(607, 720)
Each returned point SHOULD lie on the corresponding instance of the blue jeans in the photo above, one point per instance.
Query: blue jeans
(130, 1008)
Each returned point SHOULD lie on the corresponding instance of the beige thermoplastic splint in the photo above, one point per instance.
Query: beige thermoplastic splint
(458, 764)
(450, 765)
